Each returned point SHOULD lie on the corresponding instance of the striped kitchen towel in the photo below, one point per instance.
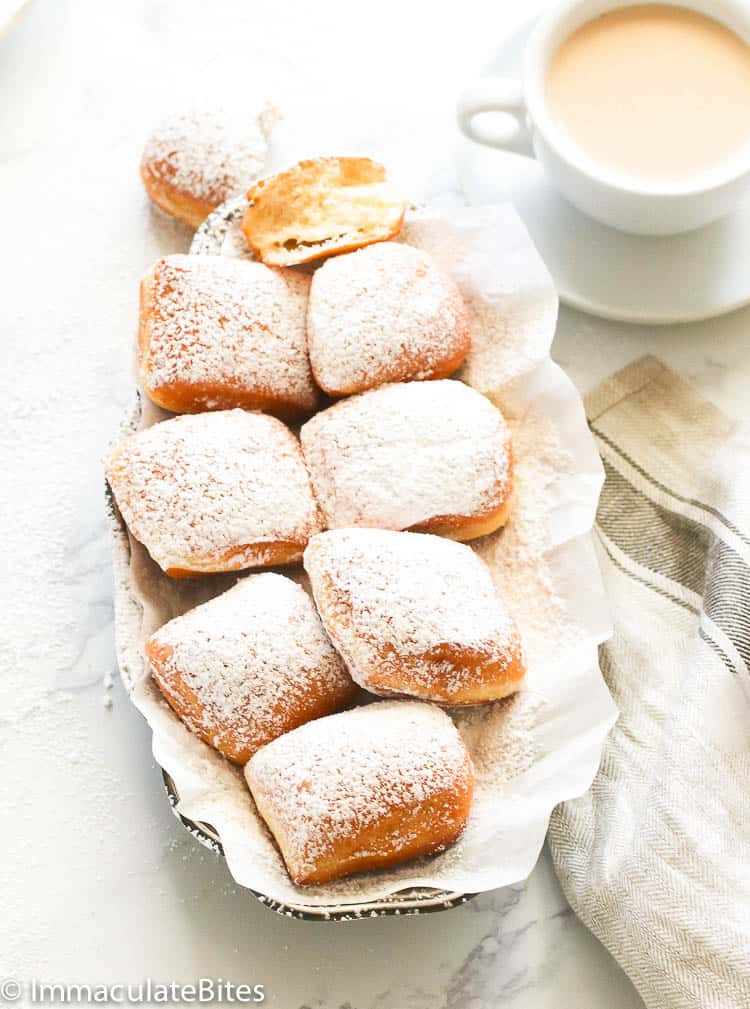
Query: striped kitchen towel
(655, 858)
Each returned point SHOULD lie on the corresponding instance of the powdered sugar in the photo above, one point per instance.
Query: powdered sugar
(501, 741)
(518, 557)
(383, 314)
(256, 661)
(228, 330)
(386, 597)
(195, 488)
(397, 456)
(210, 154)
(337, 776)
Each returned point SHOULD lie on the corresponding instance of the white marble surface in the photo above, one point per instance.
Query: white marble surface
(99, 882)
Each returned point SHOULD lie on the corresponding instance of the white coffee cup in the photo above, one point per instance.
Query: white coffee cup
(614, 198)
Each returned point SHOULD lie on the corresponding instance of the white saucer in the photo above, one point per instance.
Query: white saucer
(602, 271)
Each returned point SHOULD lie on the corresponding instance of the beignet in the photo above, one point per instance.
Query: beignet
(215, 492)
(196, 159)
(365, 789)
(319, 208)
(384, 314)
(414, 614)
(249, 665)
(430, 456)
(217, 333)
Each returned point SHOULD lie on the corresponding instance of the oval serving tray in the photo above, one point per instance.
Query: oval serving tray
(216, 237)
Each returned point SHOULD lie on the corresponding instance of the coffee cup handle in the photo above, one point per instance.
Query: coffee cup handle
(508, 132)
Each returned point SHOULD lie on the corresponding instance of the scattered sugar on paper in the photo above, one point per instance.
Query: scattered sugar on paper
(516, 555)
(500, 738)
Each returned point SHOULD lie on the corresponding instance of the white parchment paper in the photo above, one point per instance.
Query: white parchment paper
(530, 751)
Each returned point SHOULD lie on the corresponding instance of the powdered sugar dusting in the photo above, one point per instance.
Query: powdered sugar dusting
(384, 596)
(383, 314)
(517, 558)
(197, 486)
(500, 738)
(339, 775)
(210, 154)
(257, 660)
(524, 748)
(227, 328)
(397, 456)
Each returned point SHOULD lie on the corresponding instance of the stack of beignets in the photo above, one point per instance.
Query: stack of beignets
(409, 464)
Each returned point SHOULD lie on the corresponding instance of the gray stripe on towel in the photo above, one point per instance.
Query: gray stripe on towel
(668, 490)
(680, 549)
